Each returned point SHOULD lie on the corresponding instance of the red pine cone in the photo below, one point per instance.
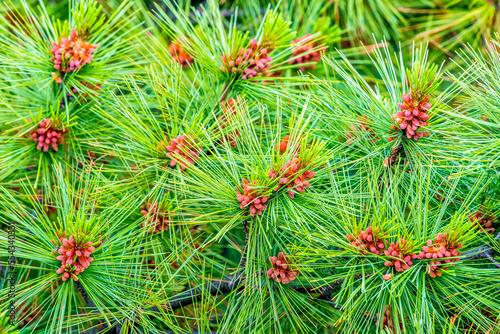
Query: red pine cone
(358, 129)
(250, 62)
(228, 108)
(158, 221)
(281, 271)
(305, 53)
(441, 249)
(292, 176)
(179, 54)
(483, 220)
(368, 241)
(251, 197)
(412, 115)
(71, 54)
(401, 252)
(75, 256)
(181, 147)
(47, 136)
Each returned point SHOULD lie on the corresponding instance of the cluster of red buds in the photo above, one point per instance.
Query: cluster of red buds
(47, 135)
(388, 322)
(71, 54)
(483, 220)
(361, 128)
(157, 220)
(292, 176)
(368, 241)
(441, 249)
(228, 108)
(74, 255)
(400, 255)
(284, 144)
(281, 271)
(250, 62)
(305, 53)
(179, 54)
(181, 147)
(413, 115)
(251, 197)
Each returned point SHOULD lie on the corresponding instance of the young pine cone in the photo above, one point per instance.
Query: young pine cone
(74, 256)
(71, 54)
(179, 54)
(400, 257)
(440, 249)
(368, 241)
(250, 62)
(483, 220)
(306, 53)
(360, 129)
(229, 109)
(46, 135)
(182, 147)
(281, 271)
(251, 197)
(412, 115)
(158, 221)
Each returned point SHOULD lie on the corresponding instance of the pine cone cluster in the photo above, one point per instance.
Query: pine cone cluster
(71, 54)
(388, 322)
(281, 271)
(158, 221)
(412, 115)
(292, 176)
(368, 241)
(228, 108)
(441, 249)
(75, 255)
(179, 54)
(360, 129)
(305, 53)
(251, 62)
(483, 220)
(181, 147)
(47, 135)
(400, 251)
(252, 198)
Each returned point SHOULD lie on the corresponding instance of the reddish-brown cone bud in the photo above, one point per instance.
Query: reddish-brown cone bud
(281, 270)
(179, 54)
(252, 198)
(229, 110)
(250, 62)
(71, 54)
(46, 135)
(181, 151)
(74, 254)
(400, 257)
(441, 249)
(368, 241)
(305, 53)
(157, 220)
(484, 220)
(412, 116)
(359, 130)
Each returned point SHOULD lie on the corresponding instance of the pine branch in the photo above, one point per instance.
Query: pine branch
(484, 252)
(81, 289)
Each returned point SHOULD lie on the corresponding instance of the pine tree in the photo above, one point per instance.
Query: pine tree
(253, 167)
